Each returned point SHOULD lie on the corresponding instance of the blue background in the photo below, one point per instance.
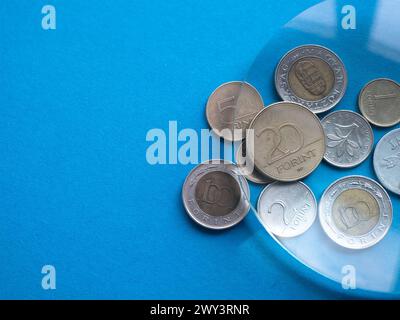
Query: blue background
(76, 190)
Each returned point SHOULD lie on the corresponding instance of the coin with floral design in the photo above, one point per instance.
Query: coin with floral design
(349, 138)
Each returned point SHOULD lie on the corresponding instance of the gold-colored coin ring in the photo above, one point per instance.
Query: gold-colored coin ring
(321, 134)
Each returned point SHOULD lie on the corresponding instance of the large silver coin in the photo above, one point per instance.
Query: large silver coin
(387, 161)
(287, 209)
(355, 212)
(313, 76)
(212, 195)
(289, 141)
(248, 170)
(231, 107)
(379, 102)
(349, 138)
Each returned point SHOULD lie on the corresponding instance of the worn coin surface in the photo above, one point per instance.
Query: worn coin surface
(355, 212)
(212, 195)
(231, 107)
(247, 168)
(387, 161)
(379, 102)
(313, 76)
(349, 138)
(287, 209)
(289, 141)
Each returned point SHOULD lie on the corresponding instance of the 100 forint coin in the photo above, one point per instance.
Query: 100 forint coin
(313, 76)
(215, 196)
(355, 212)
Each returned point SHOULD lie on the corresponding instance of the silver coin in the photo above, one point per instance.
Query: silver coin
(379, 102)
(248, 170)
(231, 107)
(355, 212)
(387, 161)
(313, 76)
(215, 195)
(287, 209)
(349, 138)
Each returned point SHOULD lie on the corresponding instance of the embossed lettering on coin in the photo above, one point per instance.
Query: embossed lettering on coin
(313, 76)
(249, 171)
(387, 161)
(215, 195)
(287, 209)
(349, 138)
(355, 212)
(289, 141)
(379, 102)
(231, 107)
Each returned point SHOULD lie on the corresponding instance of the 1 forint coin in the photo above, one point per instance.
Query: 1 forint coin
(379, 102)
(355, 212)
(349, 138)
(231, 107)
(289, 141)
(287, 209)
(215, 195)
(387, 161)
(313, 76)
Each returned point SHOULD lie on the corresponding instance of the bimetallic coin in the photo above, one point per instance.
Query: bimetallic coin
(313, 76)
(387, 161)
(287, 209)
(379, 102)
(231, 107)
(349, 138)
(212, 195)
(289, 141)
(247, 168)
(355, 212)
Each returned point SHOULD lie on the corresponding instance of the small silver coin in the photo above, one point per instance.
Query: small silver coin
(379, 102)
(287, 209)
(231, 107)
(387, 161)
(313, 76)
(349, 138)
(355, 212)
(215, 195)
(247, 168)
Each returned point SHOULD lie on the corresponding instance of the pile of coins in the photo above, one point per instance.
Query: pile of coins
(288, 142)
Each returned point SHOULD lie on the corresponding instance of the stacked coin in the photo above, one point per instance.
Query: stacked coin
(286, 141)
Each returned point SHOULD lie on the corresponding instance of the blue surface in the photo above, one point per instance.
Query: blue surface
(76, 190)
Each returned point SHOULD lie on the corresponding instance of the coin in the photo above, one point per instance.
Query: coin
(387, 161)
(355, 212)
(231, 107)
(313, 76)
(249, 171)
(349, 138)
(287, 209)
(289, 141)
(212, 195)
(379, 102)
